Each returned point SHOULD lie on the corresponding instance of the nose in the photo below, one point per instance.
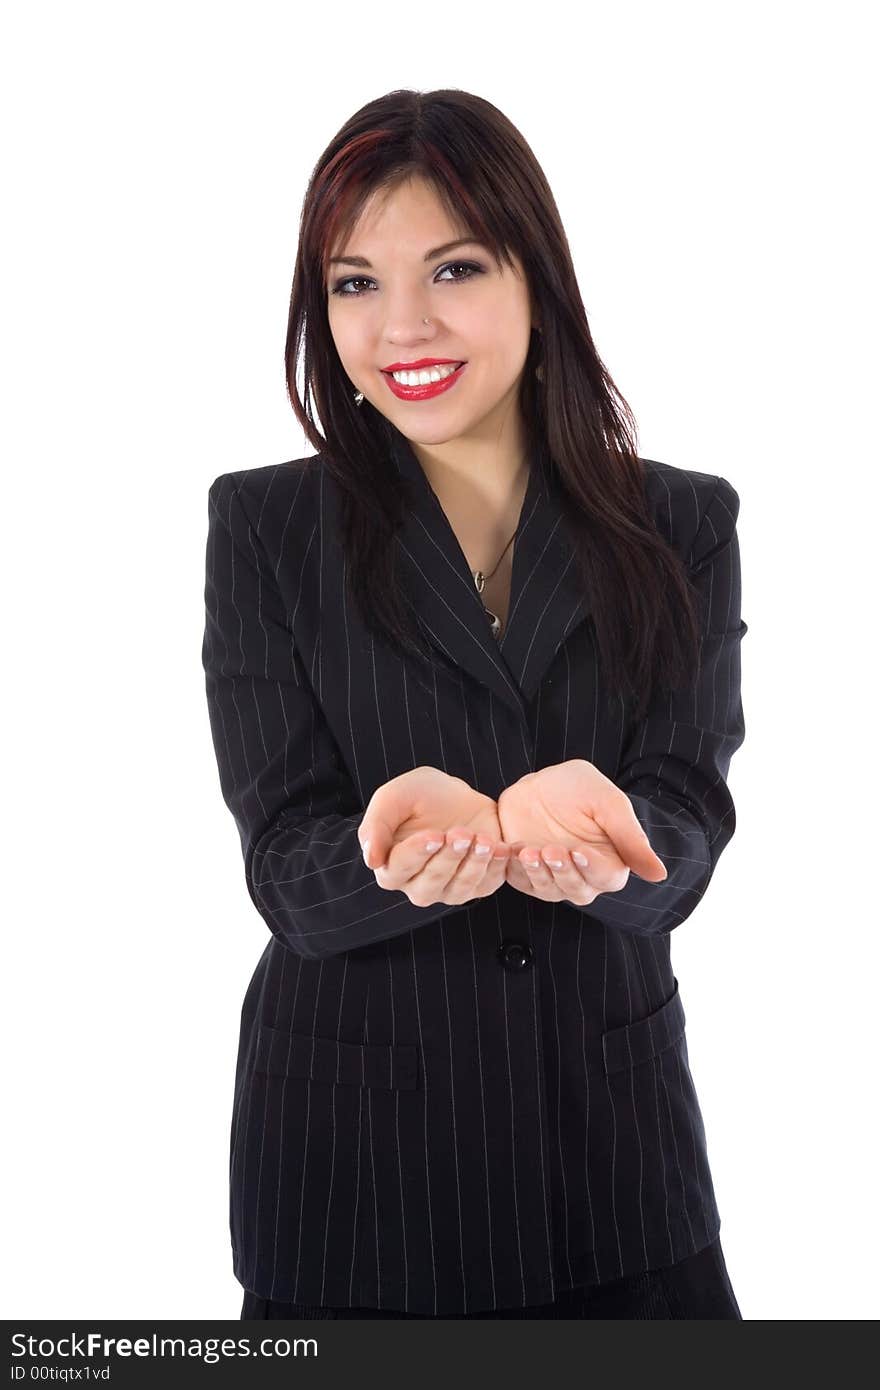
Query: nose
(416, 326)
(407, 315)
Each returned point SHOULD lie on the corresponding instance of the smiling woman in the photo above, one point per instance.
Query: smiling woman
(476, 617)
(462, 267)
(457, 333)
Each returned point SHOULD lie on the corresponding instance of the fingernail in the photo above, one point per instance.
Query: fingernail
(579, 858)
(432, 845)
(365, 847)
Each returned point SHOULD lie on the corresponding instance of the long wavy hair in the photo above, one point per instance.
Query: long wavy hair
(643, 609)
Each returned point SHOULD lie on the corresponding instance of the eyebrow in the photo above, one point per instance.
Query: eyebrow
(429, 255)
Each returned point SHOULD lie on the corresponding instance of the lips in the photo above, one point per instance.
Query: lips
(422, 363)
(429, 390)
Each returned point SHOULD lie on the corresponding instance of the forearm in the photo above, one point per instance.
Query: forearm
(309, 882)
(675, 767)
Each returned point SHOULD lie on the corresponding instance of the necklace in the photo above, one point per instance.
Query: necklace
(480, 580)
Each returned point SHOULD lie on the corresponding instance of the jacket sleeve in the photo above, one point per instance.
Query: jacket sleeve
(675, 764)
(281, 773)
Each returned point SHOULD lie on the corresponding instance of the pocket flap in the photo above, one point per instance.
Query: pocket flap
(339, 1063)
(645, 1037)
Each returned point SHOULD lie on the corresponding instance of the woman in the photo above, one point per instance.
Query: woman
(473, 675)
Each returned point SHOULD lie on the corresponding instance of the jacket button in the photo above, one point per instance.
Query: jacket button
(514, 955)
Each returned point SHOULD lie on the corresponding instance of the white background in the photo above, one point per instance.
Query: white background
(714, 168)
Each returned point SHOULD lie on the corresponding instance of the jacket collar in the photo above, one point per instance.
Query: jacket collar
(546, 596)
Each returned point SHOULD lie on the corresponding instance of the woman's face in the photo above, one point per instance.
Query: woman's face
(476, 314)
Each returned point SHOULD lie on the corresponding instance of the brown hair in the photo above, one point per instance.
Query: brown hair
(488, 179)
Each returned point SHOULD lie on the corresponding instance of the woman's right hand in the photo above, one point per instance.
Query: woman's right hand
(427, 806)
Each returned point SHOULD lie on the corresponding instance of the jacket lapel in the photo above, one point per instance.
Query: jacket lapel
(546, 598)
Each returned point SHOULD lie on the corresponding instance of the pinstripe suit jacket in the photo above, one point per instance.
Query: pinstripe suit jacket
(450, 1109)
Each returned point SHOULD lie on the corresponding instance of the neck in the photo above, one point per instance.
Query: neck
(478, 483)
(482, 494)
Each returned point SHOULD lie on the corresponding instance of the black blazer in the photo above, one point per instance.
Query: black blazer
(451, 1109)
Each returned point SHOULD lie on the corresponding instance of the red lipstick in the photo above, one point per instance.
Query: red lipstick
(431, 388)
(419, 363)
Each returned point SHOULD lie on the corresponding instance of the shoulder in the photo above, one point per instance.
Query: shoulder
(689, 506)
(258, 484)
(272, 489)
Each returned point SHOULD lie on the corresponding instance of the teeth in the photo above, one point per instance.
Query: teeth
(422, 377)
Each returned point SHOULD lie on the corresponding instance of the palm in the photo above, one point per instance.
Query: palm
(555, 806)
(426, 799)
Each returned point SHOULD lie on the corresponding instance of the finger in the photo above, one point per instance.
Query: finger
(390, 806)
(516, 876)
(408, 858)
(532, 879)
(495, 872)
(555, 878)
(616, 816)
(436, 856)
(602, 870)
(539, 874)
(456, 872)
(376, 836)
(461, 864)
(569, 877)
(480, 866)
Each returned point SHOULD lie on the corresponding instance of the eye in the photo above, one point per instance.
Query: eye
(469, 267)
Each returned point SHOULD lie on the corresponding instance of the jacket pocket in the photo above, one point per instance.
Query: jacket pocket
(645, 1038)
(334, 1062)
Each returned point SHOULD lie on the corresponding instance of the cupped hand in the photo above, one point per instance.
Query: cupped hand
(428, 807)
(573, 807)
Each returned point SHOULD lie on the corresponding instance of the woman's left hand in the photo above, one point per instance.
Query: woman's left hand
(573, 807)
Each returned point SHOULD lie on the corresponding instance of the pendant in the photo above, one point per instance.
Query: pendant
(494, 620)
